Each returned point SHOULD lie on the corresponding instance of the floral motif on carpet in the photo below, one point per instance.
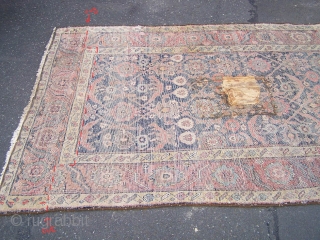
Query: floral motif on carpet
(135, 117)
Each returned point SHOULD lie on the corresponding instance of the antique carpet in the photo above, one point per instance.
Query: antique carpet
(145, 116)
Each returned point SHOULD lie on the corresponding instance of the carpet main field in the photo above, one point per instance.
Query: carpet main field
(136, 116)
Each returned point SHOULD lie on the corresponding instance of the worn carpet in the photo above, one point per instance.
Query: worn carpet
(147, 116)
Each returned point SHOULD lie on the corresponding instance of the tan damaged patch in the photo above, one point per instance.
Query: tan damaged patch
(241, 91)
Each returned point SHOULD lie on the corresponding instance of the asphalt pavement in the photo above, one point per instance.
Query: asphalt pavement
(25, 28)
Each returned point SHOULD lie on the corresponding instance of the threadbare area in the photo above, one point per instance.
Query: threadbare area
(241, 91)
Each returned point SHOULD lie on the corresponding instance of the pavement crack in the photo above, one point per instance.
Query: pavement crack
(253, 12)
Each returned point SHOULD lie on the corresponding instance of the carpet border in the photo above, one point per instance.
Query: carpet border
(153, 206)
(27, 108)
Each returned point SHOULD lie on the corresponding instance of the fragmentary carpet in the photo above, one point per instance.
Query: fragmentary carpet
(138, 117)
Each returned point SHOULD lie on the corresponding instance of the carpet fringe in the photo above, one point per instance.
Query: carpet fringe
(27, 108)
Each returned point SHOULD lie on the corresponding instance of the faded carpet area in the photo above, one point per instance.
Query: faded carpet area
(137, 116)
